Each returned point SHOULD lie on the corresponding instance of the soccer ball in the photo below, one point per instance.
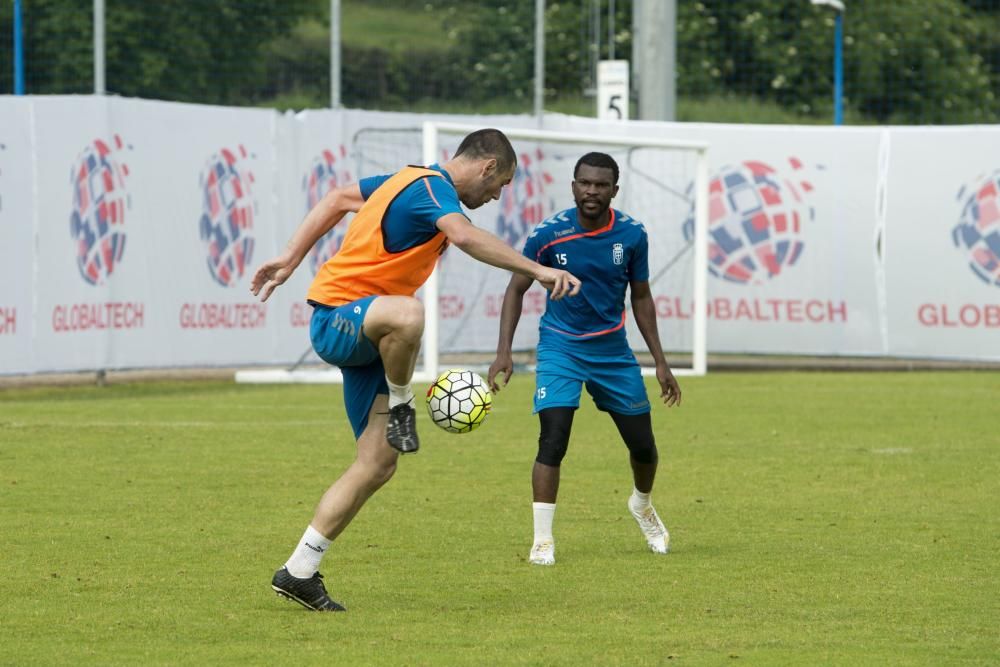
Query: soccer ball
(459, 401)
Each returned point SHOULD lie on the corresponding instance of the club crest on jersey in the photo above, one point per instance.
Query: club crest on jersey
(617, 253)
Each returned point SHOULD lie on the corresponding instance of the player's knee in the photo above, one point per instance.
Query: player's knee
(410, 315)
(642, 448)
(552, 450)
(385, 473)
(637, 432)
(379, 472)
(553, 441)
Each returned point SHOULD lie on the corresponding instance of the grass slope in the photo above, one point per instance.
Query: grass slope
(816, 518)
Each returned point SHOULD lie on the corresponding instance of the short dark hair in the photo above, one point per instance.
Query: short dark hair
(602, 160)
(489, 143)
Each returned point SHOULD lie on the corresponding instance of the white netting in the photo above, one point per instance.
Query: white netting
(656, 188)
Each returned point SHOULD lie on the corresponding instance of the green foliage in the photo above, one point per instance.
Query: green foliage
(505, 66)
(187, 50)
(918, 61)
(58, 46)
(906, 61)
(208, 51)
(298, 67)
(816, 519)
(375, 77)
(734, 108)
(407, 27)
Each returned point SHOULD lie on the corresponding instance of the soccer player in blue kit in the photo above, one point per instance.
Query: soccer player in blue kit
(582, 341)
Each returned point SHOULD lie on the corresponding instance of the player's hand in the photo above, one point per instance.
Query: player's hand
(559, 283)
(270, 275)
(502, 364)
(670, 391)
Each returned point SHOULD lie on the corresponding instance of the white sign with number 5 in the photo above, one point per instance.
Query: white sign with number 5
(612, 90)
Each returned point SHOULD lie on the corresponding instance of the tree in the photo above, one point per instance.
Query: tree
(194, 50)
(906, 61)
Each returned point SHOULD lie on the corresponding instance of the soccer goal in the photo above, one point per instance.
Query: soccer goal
(663, 184)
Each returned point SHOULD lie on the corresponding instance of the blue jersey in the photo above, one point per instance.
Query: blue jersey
(605, 260)
(412, 217)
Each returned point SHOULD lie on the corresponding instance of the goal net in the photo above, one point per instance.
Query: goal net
(663, 185)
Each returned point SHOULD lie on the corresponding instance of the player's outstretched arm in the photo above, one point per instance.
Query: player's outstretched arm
(489, 249)
(510, 315)
(330, 210)
(645, 318)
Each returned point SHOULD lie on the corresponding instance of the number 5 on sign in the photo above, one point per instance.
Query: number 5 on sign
(612, 90)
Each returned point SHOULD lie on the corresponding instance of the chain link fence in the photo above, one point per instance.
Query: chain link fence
(762, 61)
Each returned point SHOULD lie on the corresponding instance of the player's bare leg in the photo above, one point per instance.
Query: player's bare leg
(374, 465)
(544, 483)
(637, 432)
(641, 507)
(372, 468)
(643, 474)
(396, 324)
(555, 425)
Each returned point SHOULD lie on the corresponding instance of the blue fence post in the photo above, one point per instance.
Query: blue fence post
(838, 57)
(838, 70)
(18, 51)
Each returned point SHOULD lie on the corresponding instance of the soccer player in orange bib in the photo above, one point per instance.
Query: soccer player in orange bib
(367, 322)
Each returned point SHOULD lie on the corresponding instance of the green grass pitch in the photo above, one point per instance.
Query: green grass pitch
(816, 518)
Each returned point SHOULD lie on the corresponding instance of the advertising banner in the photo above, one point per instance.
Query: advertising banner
(130, 230)
(792, 257)
(17, 237)
(942, 243)
(152, 262)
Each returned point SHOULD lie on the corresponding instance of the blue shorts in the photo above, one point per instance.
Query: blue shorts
(614, 381)
(338, 338)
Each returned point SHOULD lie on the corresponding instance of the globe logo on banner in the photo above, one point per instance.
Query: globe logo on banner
(99, 204)
(756, 216)
(328, 170)
(977, 233)
(228, 208)
(523, 203)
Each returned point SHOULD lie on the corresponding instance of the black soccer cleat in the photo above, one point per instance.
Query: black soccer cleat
(401, 431)
(310, 593)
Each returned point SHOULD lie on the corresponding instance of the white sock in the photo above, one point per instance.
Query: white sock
(398, 393)
(304, 561)
(639, 500)
(544, 513)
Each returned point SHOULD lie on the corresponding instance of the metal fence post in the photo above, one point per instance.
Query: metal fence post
(18, 51)
(838, 57)
(838, 70)
(334, 54)
(539, 59)
(99, 86)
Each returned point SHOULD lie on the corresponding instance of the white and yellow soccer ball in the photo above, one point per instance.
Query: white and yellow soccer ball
(459, 401)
